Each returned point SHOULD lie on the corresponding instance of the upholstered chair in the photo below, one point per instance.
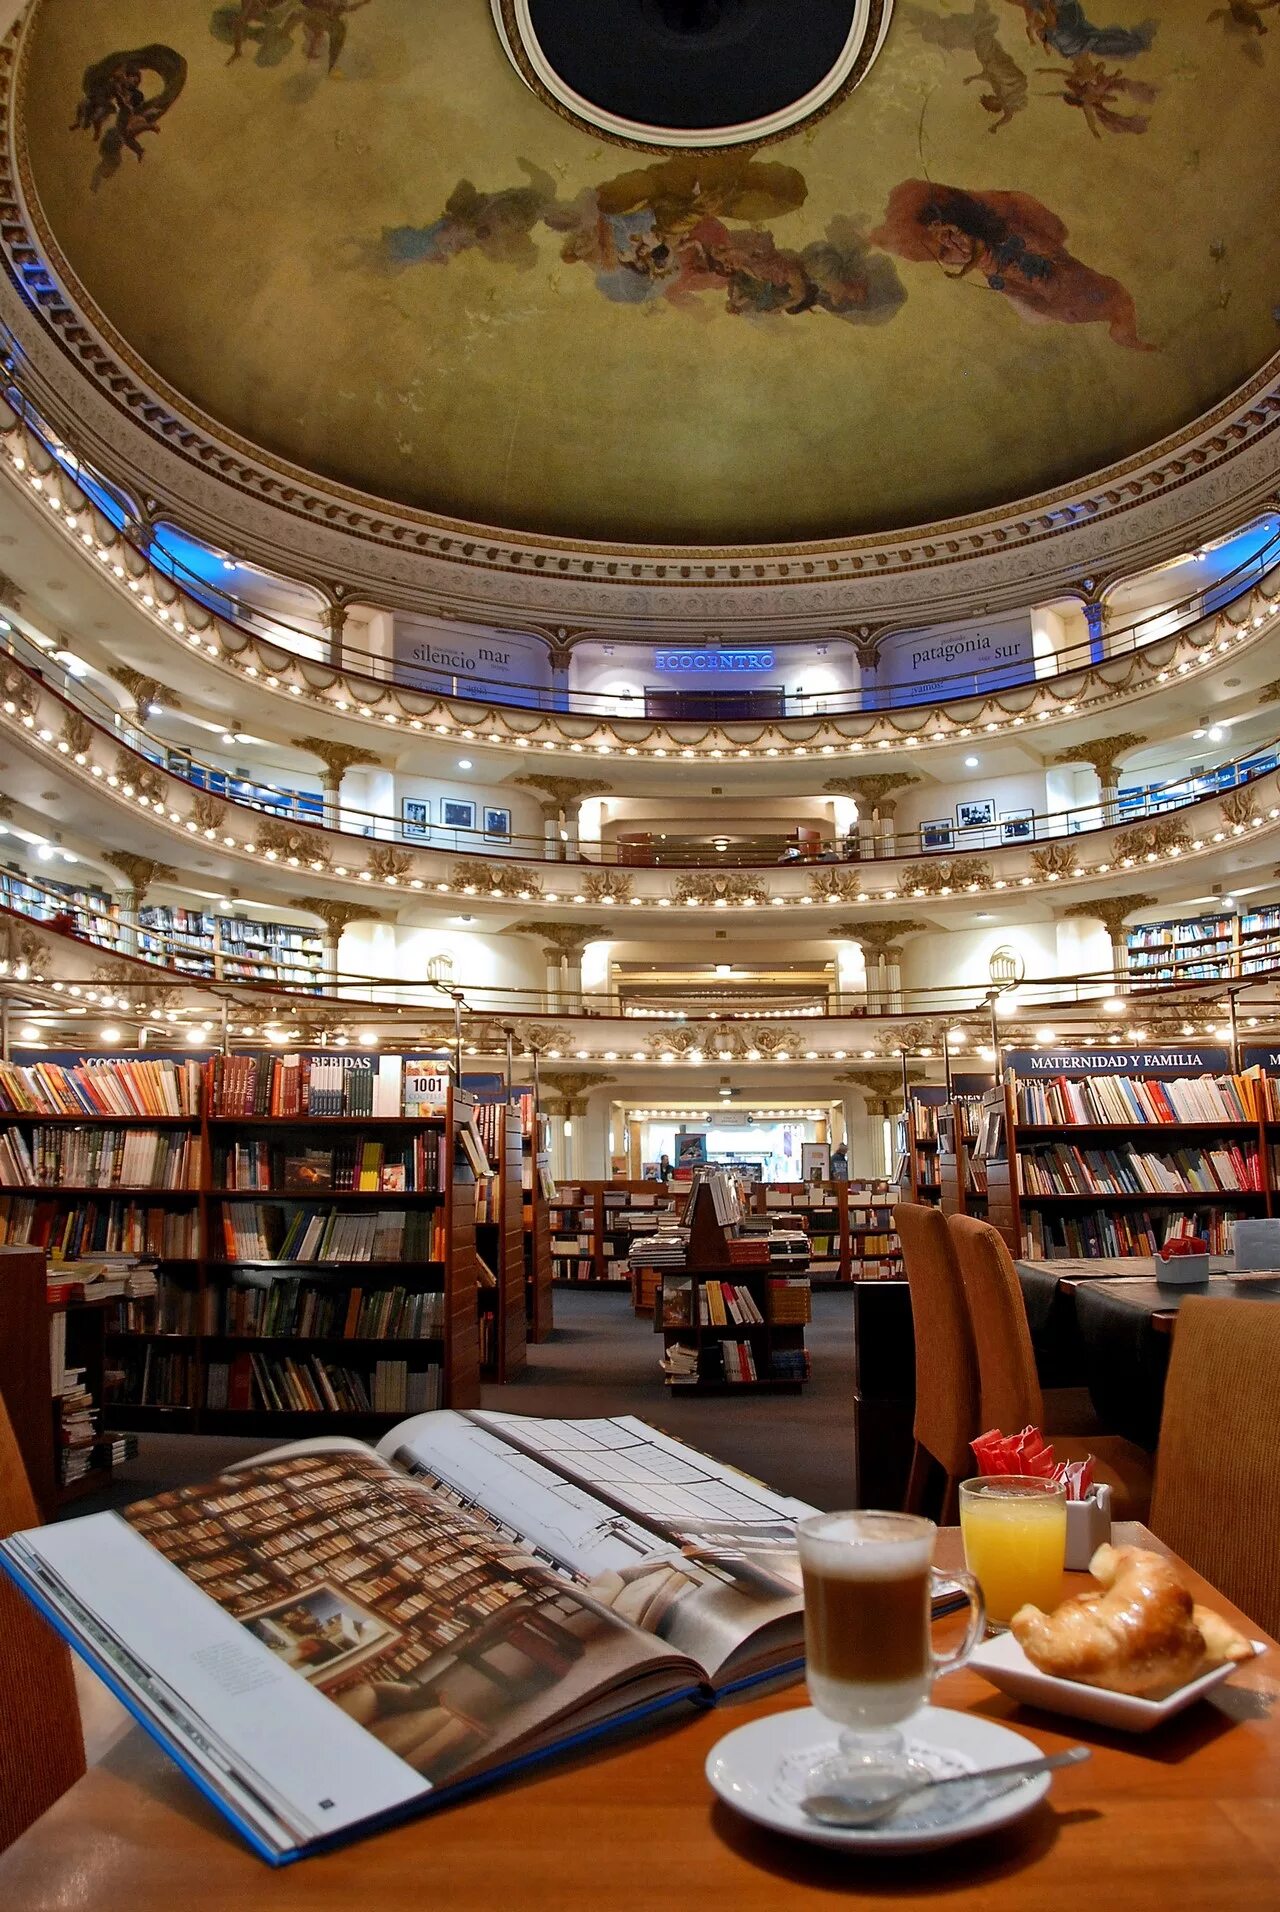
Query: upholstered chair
(946, 1413)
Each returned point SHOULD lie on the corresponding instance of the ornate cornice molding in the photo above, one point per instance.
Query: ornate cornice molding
(1193, 483)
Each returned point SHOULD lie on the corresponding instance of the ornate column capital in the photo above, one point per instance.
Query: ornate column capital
(1104, 754)
(144, 689)
(880, 936)
(871, 789)
(562, 939)
(336, 915)
(140, 872)
(559, 792)
(1112, 910)
(336, 758)
(572, 1084)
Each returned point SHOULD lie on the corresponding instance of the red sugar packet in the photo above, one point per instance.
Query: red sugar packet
(1183, 1245)
(1030, 1453)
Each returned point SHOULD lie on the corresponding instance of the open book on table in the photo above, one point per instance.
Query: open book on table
(328, 1637)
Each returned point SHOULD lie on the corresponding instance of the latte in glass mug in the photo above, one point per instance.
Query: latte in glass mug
(869, 1580)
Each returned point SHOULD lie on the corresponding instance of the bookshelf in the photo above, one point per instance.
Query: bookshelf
(850, 1226)
(537, 1189)
(592, 1225)
(500, 1241)
(24, 1368)
(312, 1233)
(1205, 948)
(231, 948)
(732, 1322)
(1113, 1152)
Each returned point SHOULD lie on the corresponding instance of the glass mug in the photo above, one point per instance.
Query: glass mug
(868, 1582)
(1015, 1541)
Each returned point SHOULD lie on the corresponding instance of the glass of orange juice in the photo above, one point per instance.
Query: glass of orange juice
(1015, 1541)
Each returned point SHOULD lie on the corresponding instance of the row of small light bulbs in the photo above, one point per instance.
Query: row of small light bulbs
(704, 1115)
(161, 809)
(945, 729)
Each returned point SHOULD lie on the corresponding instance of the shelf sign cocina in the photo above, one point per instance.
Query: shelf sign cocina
(1169, 1062)
(695, 662)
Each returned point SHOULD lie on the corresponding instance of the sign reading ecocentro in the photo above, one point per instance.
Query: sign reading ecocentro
(696, 662)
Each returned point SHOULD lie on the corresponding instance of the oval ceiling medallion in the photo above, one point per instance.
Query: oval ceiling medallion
(696, 74)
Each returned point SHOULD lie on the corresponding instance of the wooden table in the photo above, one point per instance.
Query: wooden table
(1188, 1817)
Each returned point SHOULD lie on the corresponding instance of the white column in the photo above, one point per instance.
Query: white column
(554, 964)
(866, 830)
(573, 983)
(571, 830)
(886, 834)
(891, 974)
(551, 832)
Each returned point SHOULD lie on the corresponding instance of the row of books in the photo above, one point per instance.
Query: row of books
(77, 1426)
(316, 1309)
(312, 1386)
(1098, 1233)
(92, 1227)
(1058, 1100)
(99, 1158)
(739, 1361)
(293, 1085)
(159, 1087)
(263, 1231)
(1062, 1169)
(357, 1163)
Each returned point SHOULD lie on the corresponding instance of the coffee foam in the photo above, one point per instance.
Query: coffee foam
(848, 1548)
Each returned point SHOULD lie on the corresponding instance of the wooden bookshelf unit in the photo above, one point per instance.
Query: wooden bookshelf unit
(774, 1343)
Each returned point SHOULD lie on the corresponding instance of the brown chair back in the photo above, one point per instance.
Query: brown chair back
(41, 1747)
(1216, 1501)
(946, 1418)
(1009, 1388)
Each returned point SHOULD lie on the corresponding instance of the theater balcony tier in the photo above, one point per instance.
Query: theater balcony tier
(236, 656)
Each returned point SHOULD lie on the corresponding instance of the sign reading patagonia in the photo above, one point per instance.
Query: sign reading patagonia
(1073, 1062)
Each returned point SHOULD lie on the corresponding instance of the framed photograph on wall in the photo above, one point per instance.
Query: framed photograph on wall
(815, 1161)
(938, 835)
(1017, 826)
(976, 813)
(457, 813)
(415, 816)
(497, 823)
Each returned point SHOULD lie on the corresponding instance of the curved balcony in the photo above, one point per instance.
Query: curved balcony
(364, 689)
(1159, 824)
(52, 982)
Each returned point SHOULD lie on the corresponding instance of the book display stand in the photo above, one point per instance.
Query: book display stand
(729, 1319)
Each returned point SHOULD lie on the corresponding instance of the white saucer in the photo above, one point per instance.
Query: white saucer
(758, 1769)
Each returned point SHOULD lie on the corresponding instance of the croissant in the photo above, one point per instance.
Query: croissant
(1140, 1635)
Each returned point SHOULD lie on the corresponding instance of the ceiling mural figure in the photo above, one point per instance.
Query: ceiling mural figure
(270, 25)
(661, 232)
(1242, 22)
(1014, 244)
(116, 107)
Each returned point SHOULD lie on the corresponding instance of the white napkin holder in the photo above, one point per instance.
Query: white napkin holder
(1088, 1526)
(1182, 1271)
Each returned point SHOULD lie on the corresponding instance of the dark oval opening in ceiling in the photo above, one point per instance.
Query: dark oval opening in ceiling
(692, 65)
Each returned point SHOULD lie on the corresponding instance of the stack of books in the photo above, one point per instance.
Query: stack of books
(721, 1303)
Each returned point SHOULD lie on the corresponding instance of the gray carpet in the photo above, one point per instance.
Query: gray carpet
(602, 1359)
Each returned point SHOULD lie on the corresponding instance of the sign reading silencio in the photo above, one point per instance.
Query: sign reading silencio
(1158, 1062)
(484, 656)
(693, 663)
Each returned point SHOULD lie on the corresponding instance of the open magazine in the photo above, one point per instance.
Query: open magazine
(327, 1637)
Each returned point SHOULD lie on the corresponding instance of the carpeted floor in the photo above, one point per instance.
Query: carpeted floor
(603, 1360)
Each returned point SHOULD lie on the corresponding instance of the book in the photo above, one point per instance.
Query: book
(478, 1591)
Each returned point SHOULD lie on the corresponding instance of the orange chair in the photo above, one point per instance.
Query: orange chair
(1009, 1388)
(1216, 1501)
(946, 1416)
(41, 1746)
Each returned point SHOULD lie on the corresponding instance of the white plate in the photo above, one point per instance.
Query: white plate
(1003, 1662)
(758, 1770)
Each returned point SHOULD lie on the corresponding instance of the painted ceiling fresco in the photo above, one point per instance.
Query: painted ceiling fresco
(1039, 236)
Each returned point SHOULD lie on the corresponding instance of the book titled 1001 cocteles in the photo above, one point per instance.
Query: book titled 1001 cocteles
(329, 1637)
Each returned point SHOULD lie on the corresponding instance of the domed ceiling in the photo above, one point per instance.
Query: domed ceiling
(1038, 236)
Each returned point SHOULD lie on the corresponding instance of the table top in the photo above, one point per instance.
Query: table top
(1108, 1267)
(1189, 1816)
